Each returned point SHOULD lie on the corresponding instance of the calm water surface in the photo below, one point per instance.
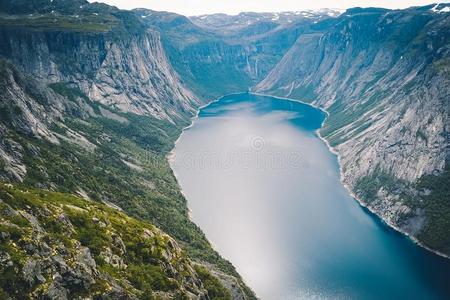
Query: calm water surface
(266, 191)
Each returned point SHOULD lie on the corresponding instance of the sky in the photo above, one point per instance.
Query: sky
(199, 7)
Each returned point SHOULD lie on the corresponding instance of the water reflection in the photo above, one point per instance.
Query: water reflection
(266, 191)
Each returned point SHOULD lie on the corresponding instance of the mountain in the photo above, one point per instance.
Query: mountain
(57, 246)
(221, 54)
(93, 98)
(91, 106)
(383, 76)
(256, 23)
(108, 54)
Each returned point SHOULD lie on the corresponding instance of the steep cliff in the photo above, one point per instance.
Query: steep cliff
(383, 76)
(208, 64)
(90, 106)
(108, 54)
(221, 54)
(92, 99)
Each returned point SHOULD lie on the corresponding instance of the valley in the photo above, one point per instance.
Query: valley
(93, 98)
(267, 193)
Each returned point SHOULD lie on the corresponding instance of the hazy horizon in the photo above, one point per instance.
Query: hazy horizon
(233, 7)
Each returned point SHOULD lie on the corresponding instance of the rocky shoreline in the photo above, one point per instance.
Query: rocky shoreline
(348, 188)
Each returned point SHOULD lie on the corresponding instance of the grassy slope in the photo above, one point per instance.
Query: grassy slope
(145, 189)
(64, 222)
(149, 191)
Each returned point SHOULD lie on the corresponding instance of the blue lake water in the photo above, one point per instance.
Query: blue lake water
(266, 192)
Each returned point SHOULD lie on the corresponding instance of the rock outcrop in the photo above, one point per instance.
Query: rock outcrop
(57, 246)
(121, 65)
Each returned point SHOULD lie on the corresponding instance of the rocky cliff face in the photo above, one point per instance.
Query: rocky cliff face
(56, 246)
(87, 83)
(208, 64)
(60, 61)
(383, 76)
(122, 65)
(22, 113)
(220, 54)
(90, 106)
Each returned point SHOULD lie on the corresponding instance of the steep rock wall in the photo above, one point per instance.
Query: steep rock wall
(128, 72)
(384, 78)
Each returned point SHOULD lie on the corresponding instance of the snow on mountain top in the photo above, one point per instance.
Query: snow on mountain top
(441, 8)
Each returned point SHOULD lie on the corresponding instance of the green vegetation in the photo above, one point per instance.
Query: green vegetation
(62, 218)
(368, 186)
(73, 16)
(70, 93)
(212, 284)
(437, 208)
(86, 23)
(208, 80)
(442, 65)
(304, 93)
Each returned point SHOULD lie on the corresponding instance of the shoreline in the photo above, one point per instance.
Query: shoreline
(171, 156)
(347, 187)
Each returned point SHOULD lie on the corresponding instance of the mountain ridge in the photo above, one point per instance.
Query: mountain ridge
(84, 83)
(87, 84)
(383, 156)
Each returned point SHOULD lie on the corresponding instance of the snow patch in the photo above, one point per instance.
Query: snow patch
(436, 9)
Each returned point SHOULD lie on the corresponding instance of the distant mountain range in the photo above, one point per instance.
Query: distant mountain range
(232, 23)
(92, 99)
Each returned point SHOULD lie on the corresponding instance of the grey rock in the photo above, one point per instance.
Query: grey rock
(56, 291)
(32, 272)
(117, 242)
(114, 260)
(4, 236)
(390, 100)
(5, 259)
